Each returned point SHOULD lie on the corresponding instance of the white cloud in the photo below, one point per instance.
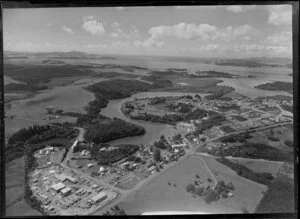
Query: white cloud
(237, 49)
(49, 24)
(148, 43)
(280, 14)
(240, 8)
(114, 35)
(93, 27)
(204, 32)
(96, 46)
(67, 29)
(183, 31)
(281, 39)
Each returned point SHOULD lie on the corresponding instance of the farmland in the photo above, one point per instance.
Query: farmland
(167, 191)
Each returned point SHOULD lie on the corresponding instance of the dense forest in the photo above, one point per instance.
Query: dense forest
(112, 156)
(253, 150)
(115, 129)
(34, 74)
(35, 134)
(277, 86)
(241, 170)
(113, 89)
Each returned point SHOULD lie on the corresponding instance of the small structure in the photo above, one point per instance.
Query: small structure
(178, 145)
(101, 169)
(152, 168)
(99, 197)
(90, 165)
(41, 152)
(63, 177)
(66, 191)
(59, 186)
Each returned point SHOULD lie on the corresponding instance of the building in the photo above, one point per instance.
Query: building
(99, 198)
(90, 165)
(66, 191)
(63, 177)
(178, 145)
(150, 169)
(59, 186)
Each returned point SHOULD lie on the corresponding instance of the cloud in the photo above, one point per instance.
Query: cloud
(238, 49)
(280, 14)
(240, 8)
(148, 43)
(182, 31)
(280, 39)
(92, 26)
(49, 24)
(67, 29)
(96, 46)
(203, 32)
(120, 8)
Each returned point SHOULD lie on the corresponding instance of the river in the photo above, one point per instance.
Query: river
(153, 130)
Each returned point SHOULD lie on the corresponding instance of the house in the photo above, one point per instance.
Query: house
(66, 191)
(41, 152)
(178, 145)
(101, 169)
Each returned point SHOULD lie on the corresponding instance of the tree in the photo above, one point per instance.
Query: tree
(209, 180)
(190, 188)
(157, 155)
(210, 196)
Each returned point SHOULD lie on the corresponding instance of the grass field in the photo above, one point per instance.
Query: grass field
(158, 195)
(14, 184)
(128, 183)
(247, 193)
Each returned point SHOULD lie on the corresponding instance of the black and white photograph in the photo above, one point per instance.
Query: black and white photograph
(149, 110)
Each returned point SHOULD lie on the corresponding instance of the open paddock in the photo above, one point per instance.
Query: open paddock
(128, 183)
(160, 196)
(247, 193)
(14, 190)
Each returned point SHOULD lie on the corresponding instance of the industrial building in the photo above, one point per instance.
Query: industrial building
(99, 198)
(63, 177)
(59, 186)
(66, 191)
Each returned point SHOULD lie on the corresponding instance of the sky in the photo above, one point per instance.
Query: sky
(234, 31)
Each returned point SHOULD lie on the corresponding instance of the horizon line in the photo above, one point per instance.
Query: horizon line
(152, 55)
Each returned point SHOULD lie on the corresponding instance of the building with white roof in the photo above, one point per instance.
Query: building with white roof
(178, 145)
(59, 186)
